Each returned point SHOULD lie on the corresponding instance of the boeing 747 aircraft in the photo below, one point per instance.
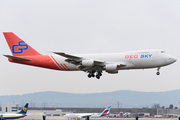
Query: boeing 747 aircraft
(84, 115)
(20, 114)
(93, 64)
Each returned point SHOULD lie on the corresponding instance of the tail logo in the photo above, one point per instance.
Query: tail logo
(24, 109)
(21, 46)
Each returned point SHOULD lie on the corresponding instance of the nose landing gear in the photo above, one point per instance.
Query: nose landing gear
(158, 73)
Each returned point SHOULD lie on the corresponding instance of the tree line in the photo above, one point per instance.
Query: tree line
(156, 106)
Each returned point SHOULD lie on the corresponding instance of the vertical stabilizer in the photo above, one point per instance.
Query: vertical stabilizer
(17, 46)
(106, 111)
(24, 110)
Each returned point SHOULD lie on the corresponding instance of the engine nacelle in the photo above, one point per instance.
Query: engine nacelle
(88, 63)
(111, 67)
(113, 72)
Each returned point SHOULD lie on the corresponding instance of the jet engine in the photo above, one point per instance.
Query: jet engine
(111, 67)
(88, 63)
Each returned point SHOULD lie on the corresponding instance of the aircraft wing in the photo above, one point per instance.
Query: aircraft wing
(77, 60)
(84, 116)
(70, 58)
(67, 55)
(80, 115)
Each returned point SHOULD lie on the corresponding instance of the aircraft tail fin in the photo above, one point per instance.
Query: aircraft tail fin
(24, 110)
(106, 111)
(17, 46)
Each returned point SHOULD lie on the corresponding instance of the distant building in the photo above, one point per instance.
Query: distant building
(9, 108)
(168, 112)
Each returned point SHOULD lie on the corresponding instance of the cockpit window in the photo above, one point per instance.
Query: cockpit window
(162, 51)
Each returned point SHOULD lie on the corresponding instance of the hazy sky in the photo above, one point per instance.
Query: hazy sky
(89, 26)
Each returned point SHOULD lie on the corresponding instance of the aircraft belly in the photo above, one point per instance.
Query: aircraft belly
(141, 64)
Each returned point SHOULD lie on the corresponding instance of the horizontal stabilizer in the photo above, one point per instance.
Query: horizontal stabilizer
(17, 58)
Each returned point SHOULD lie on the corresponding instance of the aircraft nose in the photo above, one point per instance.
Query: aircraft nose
(172, 59)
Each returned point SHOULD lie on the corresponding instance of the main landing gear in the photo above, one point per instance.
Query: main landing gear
(98, 74)
(158, 73)
(91, 74)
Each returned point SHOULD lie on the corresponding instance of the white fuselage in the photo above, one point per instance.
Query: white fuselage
(12, 116)
(140, 59)
(93, 64)
(82, 115)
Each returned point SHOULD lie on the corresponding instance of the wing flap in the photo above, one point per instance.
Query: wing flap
(73, 61)
(99, 62)
(17, 58)
(121, 64)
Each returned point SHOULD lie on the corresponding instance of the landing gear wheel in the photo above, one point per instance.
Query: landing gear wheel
(99, 73)
(158, 73)
(89, 75)
(97, 76)
(93, 75)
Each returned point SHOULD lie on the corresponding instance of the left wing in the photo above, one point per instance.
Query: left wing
(83, 63)
(70, 58)
(67, 55)
(92, 65)
(85, 116)
(79, 115)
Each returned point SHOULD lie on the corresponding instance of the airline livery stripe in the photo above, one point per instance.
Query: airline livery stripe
(63, 66)
(59, 65)
(54, 61)
(66, 66)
